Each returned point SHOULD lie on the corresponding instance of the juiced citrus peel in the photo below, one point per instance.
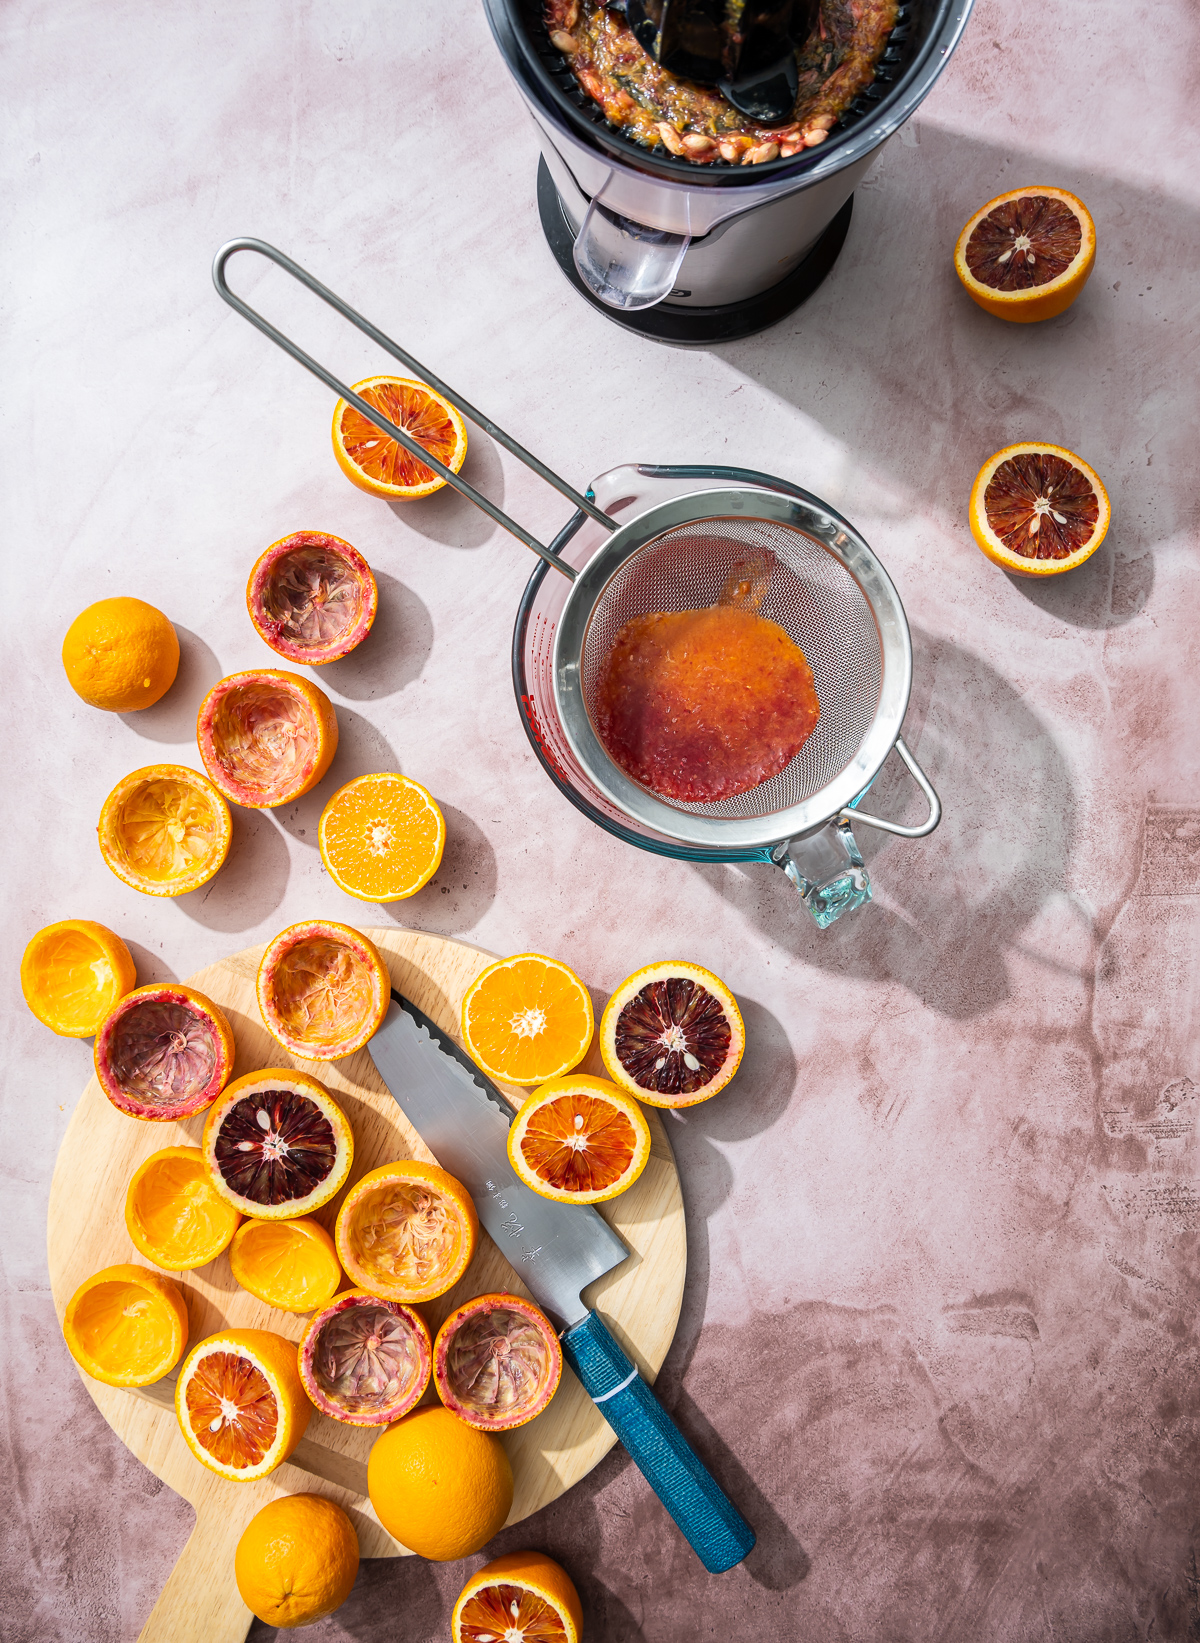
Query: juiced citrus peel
(522, 1597)
(277, 1145)
(497, 1362)
(165, 1052)
(407, 1231)
(322, 989)
(174, 1214)
(672, 1034)
(239, 1403)
(289, 1264)
(365, 1360)
(165, 830)
(126, 1326)
(266, 736)
(72, 973)
(579, 1140)
(312, 598)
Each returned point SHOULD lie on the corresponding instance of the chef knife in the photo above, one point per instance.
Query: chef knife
(558, 1249)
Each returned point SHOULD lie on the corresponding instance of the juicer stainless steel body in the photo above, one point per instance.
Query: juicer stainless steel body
(649, 228)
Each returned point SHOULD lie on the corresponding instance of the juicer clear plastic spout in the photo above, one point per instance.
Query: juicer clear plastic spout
(623, 263)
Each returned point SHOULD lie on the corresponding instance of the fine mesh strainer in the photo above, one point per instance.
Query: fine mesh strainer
(827, 590)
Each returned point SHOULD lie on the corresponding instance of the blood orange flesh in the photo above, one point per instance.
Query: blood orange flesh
(1041, 506)
(550, 1145)
(497, 1362)
(275, 1145)
(672, 1034)
(164, 1053)
(408, 405)
(1024, 242)
(365, 1361)
(231, 1408)
(503, 1611)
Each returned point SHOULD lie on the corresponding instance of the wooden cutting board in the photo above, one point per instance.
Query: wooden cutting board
(102, 1148)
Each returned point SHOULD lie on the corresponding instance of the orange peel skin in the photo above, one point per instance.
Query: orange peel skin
(266, 736)
(173, 1214)
(73, 973)
(126, 1325)
(997, 254)
(165, 1052)
(165, 830)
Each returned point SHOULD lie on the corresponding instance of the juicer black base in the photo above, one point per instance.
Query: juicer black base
(694, 327)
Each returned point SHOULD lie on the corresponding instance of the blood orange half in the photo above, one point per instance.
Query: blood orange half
(164, 1053)
(322, 989)
(579, 1140)
(1038, 510)
(266, 736)
(277, 1144)
(365, 1360)
(497, 1362)
(1027, 254)
(522, 1595)
(374, 461)
(312, 597)
(239, 1402)
(672, 1034)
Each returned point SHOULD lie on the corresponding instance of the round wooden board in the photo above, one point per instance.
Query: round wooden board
(102, 1148)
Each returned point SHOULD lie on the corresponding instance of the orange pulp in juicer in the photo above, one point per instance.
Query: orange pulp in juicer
(700, 705)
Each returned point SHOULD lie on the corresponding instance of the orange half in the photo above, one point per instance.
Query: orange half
(73, 973)
(381, 837)
(379, 464)
(240, 1402)
(1027, 254)
(579, 1140)
(523, 1595)
(126, 1326)
(526, 1019)
(289, 1264)
(1038, 510)
(406, 1231)
(174, 1214)
(165, 830)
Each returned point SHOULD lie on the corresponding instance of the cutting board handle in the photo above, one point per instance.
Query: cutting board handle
(200, 1602)
(715, 1529)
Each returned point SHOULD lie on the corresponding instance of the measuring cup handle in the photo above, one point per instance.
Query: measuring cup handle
(931, 798)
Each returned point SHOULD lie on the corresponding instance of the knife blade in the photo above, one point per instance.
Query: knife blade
(558, 1249)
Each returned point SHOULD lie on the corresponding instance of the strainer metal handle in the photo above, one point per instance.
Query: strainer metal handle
(273, 254)
(922, 780)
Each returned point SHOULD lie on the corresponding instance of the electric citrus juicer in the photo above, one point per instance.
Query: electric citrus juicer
(649, 539)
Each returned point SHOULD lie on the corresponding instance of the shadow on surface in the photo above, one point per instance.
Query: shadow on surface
(392, 655)
(173, 719)
(948, 905)
(447, 516)
(928, 385)
(462, 889)
(251, 883)
(150, 965)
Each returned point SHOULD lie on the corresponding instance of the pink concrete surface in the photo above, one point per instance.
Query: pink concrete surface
(939, 1339)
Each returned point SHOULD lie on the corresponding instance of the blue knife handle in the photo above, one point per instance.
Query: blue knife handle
(716, 1530)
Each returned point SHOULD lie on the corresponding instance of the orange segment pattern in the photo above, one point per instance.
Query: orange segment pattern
(579, 1143)
(498, 1613)
(232, 1409)
(407, 406)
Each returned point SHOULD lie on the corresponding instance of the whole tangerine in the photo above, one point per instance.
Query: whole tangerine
(121, 655)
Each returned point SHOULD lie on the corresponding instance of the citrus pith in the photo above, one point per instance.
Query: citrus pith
(1027, 254)
(1038, 510)
(406, 1231)
(312, 598)
(365, 1360)
(497, 1362)
(322, 989)
(164, 1052)
(266, 736)
(381, 837)
(579, 1140)
(165, 830)
(379, 464)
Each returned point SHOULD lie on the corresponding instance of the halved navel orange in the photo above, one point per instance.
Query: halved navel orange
(379, 464)
(240, 1404)
(381, 837)
(579, 1140)
(1038, 510)
(126, 1326)
(526, 1019)
(73, 972)
(406, 1231)
(1027, 254)
(522, 1596)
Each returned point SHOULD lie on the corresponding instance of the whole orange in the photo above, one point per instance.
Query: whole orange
(296, 1561)
(438, 1486)
(121, 655)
